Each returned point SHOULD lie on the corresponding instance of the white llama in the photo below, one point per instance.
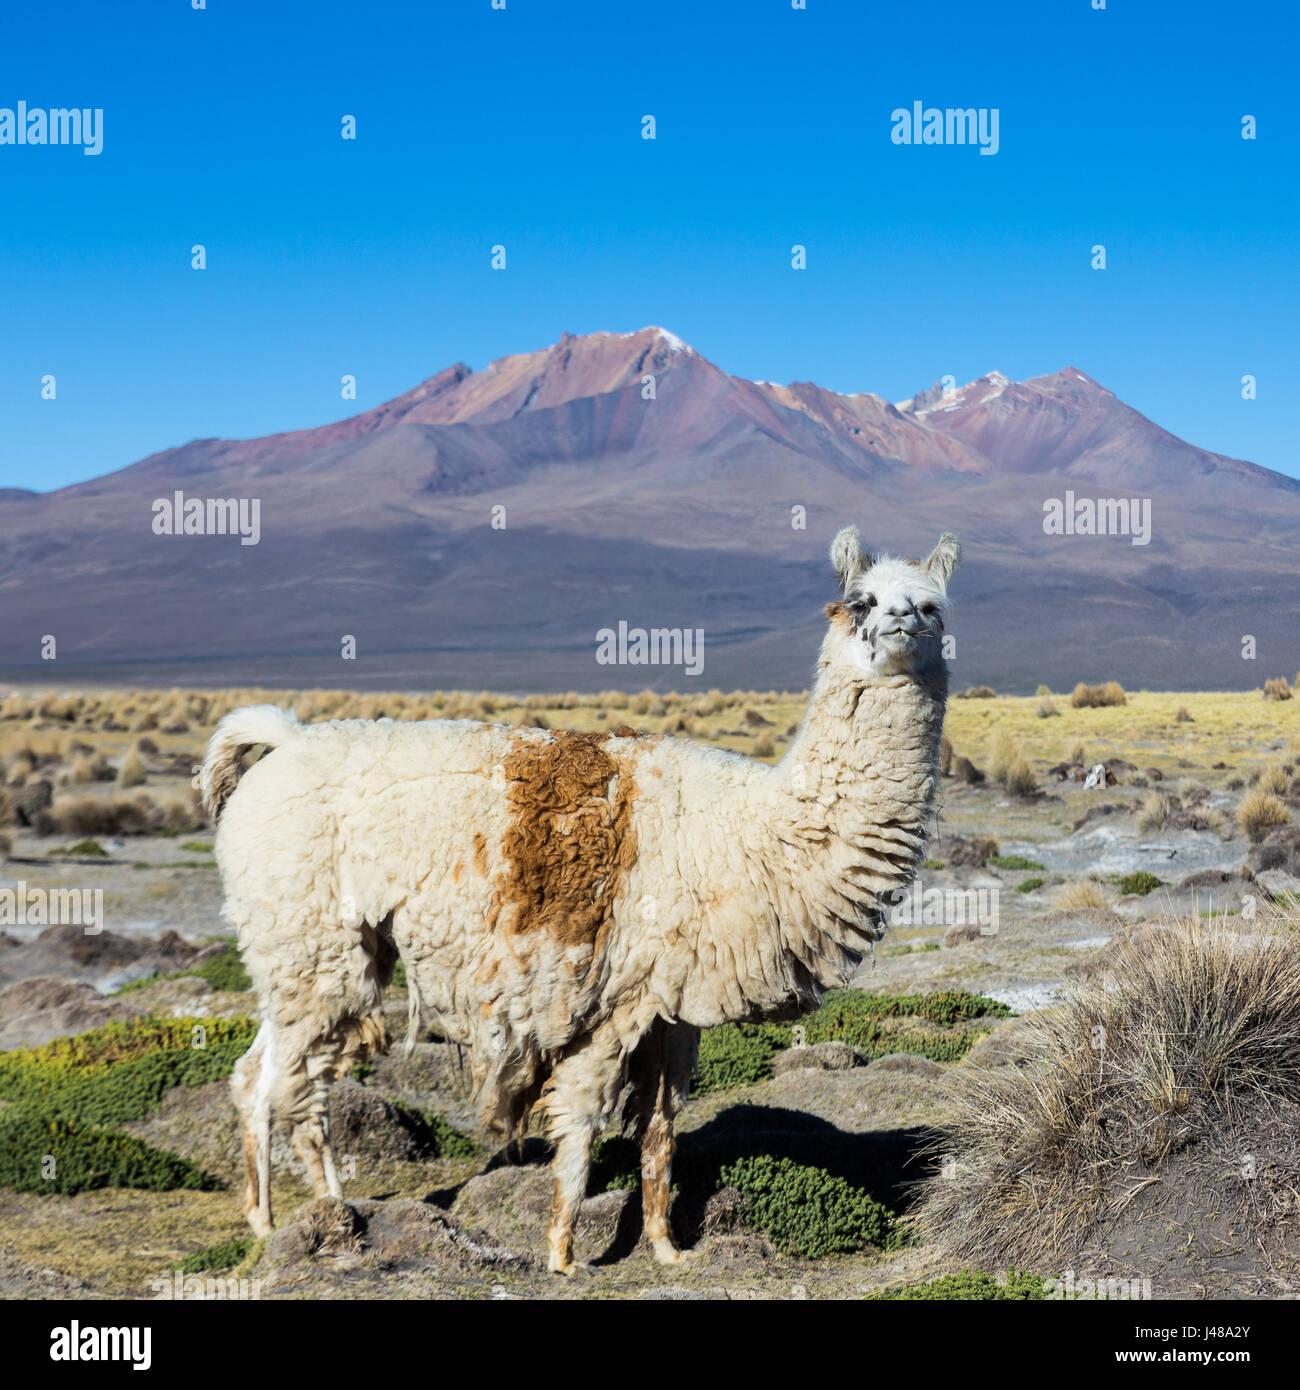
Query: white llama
(574, 907)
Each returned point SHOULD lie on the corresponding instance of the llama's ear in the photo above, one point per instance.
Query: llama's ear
(847, 556)
(943, 558)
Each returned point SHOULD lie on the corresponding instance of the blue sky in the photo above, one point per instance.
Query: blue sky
(523, 127)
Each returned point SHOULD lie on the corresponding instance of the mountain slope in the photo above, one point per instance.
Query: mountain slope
(481, 527)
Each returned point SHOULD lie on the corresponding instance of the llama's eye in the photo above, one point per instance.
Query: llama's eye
(928, 610)
(867, 602)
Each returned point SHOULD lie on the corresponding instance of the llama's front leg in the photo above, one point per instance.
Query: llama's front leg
(584, 1087)
(571, 1165)
(672, 1063)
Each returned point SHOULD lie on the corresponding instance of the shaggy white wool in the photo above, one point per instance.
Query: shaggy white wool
(726, 889)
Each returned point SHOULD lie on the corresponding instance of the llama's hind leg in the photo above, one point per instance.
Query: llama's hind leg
(252, 1083)
(662, 1082)
(307, 1094)
(311, 1142)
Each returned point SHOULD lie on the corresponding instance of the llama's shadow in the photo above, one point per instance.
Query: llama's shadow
(888, 1164)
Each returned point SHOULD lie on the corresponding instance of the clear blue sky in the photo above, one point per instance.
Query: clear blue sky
(523, 127)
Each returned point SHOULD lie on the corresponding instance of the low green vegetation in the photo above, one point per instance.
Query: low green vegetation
(58, 1131)
(446, 1141)
(739, 1054)
(122, 1071)
(969, 1286)
(1013, 861)
(223, 971)
(802, 1209)
(1141, 883)
(197, 847)
(807, 1211)
(1030, 885)
(83, 849)
(47, 1154)
(227, 1255)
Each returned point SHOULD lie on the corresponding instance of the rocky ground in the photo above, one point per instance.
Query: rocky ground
(1046, 901)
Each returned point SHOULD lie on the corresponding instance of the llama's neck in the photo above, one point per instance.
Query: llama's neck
(844, 828)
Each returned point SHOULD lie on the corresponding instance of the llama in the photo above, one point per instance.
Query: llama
(574, 907)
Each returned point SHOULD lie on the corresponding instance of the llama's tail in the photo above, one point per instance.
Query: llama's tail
(234, 736)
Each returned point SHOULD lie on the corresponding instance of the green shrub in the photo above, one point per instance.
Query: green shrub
(1141, 883)
(1030, 885)
(224, 971)
(122, 1071)
(446, 1140)
(969, 1285)
(85, 1156)
(1013, 861)
(807, 1211)
(87, 849)
(196, 847)
(227, 1255)
(399, 975)
(739, 1054)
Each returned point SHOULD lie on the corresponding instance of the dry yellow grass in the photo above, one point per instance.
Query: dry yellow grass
(1030, 1169)
(1261, 811)
(1082, 895)
(1236, 728)
(1095, 696)
(1003, 753)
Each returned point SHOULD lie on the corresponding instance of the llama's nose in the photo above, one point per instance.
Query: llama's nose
(898, 619)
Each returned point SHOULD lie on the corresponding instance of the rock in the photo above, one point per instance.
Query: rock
(822, 1056)
(1277, 883)
(963, 770)
(1009, 1045)
(513, 1203)
(35, 1010)
(365, 1124)
(756, 720)
(30, 800)
(1215, 878)
(1098, 812)
(961, 932)
(1154, 774)
(1280, 849)
(958, 852)
(70, 952)
(1067, 772)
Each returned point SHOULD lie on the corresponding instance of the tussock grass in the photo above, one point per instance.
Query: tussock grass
(1083, 895)
(1155, 813)
(1019, 778)
(1097, 696)
(1261, 811)
(1003, 753)
(1275, 779)
(1193, 1030)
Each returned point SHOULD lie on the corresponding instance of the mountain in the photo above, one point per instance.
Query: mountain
(479, 530)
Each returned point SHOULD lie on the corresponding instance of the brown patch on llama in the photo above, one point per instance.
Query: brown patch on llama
(838, 613)
(570, 838)
(480, 852)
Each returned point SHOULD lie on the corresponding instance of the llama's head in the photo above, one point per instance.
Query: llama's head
(890, 620)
